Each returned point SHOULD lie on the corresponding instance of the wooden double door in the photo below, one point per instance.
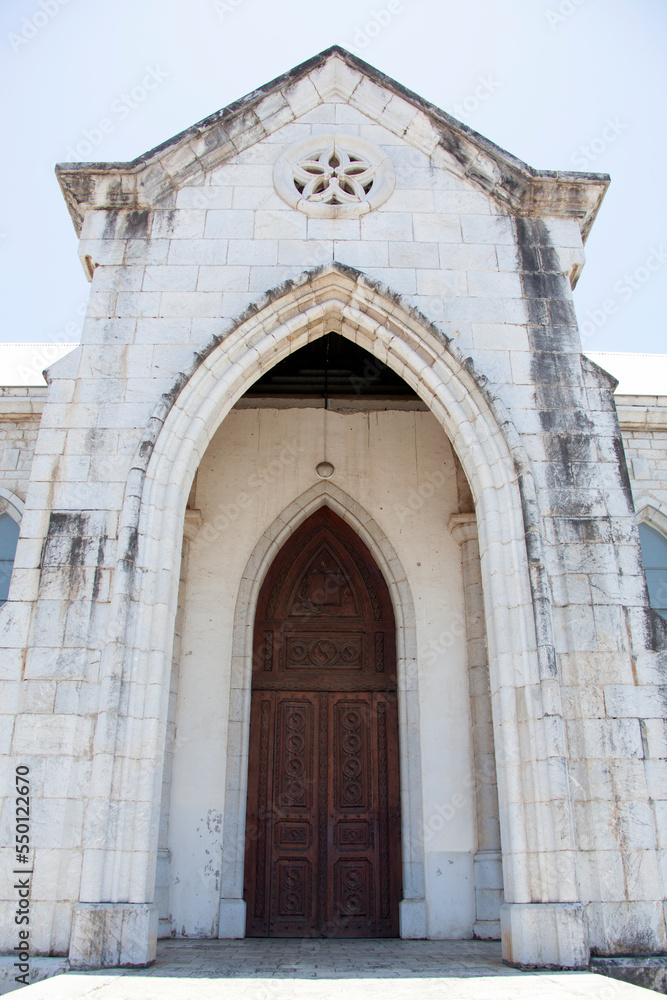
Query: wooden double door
(323, 823)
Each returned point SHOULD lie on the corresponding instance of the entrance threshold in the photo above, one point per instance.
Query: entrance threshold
(324, 969)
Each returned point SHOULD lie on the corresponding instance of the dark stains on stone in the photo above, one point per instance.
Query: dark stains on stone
(97, 579)
(549, 397)
(655, 628)
(538, 285)
(66, 523)
(567, 448)
(533, 246)
(144, 451)
(539, 584)
(64, 542)
(110, 223)
(115, 193)
(565, 385)
(76, 551)
(624, 476)
(553, 338)
(561, 313)
(545, 287)
(129, 556)
(566, 421)
(529, 253)
(136, 224)
(74, 547)
(577, 503)
(648, 970)
(555, 368)
(583, 529)
(538, 316)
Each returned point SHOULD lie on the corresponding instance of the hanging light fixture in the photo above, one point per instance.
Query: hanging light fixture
(325, 469)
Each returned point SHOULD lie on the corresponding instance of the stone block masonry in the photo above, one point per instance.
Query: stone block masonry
(531, 748)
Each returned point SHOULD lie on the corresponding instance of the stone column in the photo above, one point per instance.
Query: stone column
(488, 858)
(191, 526)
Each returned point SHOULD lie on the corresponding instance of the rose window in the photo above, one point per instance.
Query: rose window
(334, 176)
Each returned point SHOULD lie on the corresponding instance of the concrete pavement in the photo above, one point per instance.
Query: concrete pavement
(288, 969)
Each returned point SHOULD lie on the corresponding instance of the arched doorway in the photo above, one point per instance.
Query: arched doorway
(323, 823)
(485, 438)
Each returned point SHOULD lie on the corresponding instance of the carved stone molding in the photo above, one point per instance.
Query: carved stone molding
(334, 176)
(192, 523)
(463, 527)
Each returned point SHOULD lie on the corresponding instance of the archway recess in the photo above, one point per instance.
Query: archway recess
(341, 300)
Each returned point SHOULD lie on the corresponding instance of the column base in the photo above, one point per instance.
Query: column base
(412, 919)
(232, 918)
(108, 935)
(545, 935)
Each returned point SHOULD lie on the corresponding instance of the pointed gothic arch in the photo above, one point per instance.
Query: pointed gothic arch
(649, 512)
(413, 907)
(518, 619)
(11, 512)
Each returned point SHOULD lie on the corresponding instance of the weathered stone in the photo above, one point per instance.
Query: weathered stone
(153, 492)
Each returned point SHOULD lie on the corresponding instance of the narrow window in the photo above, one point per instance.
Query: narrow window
(654, 554)
(9, 536)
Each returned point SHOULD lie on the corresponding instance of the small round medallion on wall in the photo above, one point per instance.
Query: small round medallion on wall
(334, 176)
(325, 470)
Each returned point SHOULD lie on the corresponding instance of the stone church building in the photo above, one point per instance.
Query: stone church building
(328, 614)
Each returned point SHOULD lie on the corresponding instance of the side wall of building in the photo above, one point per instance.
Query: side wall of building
(643, 422)
(20, 415)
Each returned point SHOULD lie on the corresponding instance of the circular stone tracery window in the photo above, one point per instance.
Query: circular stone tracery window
(334, 176)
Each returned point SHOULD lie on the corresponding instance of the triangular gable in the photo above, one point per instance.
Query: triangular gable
(334, 74)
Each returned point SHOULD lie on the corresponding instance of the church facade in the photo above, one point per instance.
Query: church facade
(328, 614)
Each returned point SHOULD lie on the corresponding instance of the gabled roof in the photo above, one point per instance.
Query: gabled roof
(334, 74)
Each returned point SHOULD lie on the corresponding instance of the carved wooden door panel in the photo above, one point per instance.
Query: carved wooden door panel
(363, 873)
(323, 824)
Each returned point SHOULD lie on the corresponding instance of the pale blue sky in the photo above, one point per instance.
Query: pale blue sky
(563, 84)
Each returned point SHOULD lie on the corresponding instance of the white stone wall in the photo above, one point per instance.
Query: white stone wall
(399, 466)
